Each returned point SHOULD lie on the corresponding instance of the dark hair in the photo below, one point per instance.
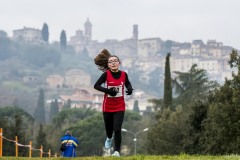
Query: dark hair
(101, 60)
(68, 133)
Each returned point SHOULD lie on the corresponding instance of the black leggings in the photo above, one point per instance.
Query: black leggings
(113, 122)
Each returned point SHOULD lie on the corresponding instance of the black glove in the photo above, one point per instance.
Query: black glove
(112, 92)
(129, 91)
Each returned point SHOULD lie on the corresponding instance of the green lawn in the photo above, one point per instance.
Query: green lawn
(142, 157)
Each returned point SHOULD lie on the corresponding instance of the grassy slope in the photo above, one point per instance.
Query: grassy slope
(141, 157)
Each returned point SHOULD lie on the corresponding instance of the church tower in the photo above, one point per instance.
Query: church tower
(88, 31)
(135, 31)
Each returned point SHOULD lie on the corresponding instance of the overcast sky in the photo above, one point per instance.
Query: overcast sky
(178, 20)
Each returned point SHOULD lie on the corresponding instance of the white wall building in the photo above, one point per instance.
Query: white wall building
(210, 65)
(28, 34)
(148, 47)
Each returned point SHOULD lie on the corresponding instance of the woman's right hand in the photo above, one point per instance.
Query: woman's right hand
(112, 92)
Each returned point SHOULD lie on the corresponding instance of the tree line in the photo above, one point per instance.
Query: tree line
(86, 125)
(202, 118)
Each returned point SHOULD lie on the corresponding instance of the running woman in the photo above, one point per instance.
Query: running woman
(113, 103)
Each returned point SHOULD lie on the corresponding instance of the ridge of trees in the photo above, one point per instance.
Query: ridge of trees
(206, 119)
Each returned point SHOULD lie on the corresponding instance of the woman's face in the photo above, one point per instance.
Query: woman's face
(113, 64)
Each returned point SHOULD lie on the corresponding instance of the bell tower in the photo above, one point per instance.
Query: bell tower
(135, 31)
(88, 31)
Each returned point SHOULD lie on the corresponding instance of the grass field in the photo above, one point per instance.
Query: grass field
(140, 157)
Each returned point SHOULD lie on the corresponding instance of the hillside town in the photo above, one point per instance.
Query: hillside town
(147, 55)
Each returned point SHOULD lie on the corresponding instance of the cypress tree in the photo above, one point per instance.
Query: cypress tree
(5, 123)
(135, 106)
(45, 33)
(167, 97)
(51, 110)
(19, 131)
(68, 104)
(39, 113)
(42, 139)
(63, 40)
(54, 108)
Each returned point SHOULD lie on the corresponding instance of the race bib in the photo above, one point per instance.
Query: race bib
(119, 90)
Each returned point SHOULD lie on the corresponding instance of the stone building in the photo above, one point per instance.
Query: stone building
(28, 34)
(76, 78)
(55, 81)
(84, 97)
(148, 47)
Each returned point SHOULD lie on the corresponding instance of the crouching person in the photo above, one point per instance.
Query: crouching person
(69, 144)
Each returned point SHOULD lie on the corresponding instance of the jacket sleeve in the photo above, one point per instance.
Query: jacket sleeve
(128, 84)
(75, 142)
(98, 85)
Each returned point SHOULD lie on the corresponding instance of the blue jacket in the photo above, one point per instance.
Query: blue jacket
(72, 143)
